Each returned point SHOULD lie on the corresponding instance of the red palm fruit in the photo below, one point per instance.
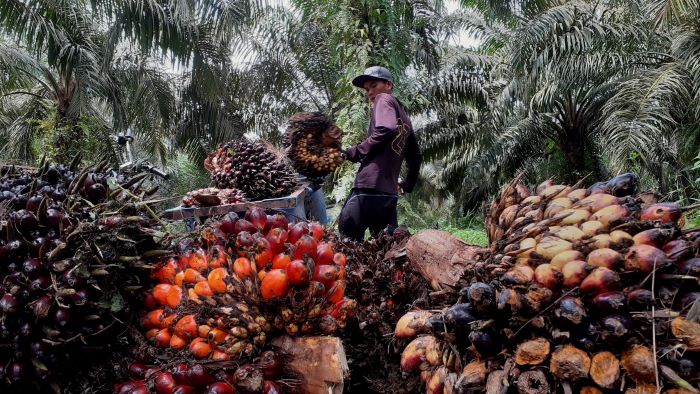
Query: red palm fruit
(665, 212)
(574, 272)
(218, 257)
(164, 383)
(192, 276)
(244, 225)
(166, 272)
(325, 274)
(324, 254)
(216, 279)
(277, 237)
(219, 355)
(296, 231)
(264, 253)
(150, 302)
(160, 293)
(261, 275)
(199, 260)
(199, 376)
(217, 335)
(317, 231)
(228, 223)
(243, 268)
(275, 284)
(679, 250)
(211, 236)
(340, 259)
(177, 342)
(174, 296)
(257, 217)
(306, 246)
(643, 258)
(200, 348)
(281, 261)
(137, 370)
(221, 388)
(548, 276)
(342, 273)
(153, 319)
(298, 273)
(244, 242)
(186, 327)
(271, 365)
(600, 280)
(202, 289)
(180, 373)
(184, 390)
(180, 277)
(337, 292)
(604, 257)
(151, 334)
(168, 320)
(278, 221)
(203, 331)
(270, 387)
(655, 237)
(183, 261)
(162, 338)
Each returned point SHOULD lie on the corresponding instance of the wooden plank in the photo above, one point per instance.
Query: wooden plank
(320, 360)
(440, 257)
(290, 201)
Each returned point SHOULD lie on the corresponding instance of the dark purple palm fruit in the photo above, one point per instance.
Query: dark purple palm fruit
(96, 193)
(33, 203)
(623, 185)
(24, 221)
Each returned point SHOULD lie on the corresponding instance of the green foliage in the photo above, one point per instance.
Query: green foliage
(186, 175)
(419, 214)
(61, 141)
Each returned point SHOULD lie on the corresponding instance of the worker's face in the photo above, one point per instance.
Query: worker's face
(376, 86)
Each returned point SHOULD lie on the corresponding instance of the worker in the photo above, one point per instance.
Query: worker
(390, 139)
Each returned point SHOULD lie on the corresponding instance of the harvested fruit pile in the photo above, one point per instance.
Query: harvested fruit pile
(241, 282)
(314, 144)
(251, 168)
(265, 375)
(583, 290)
(211, 196)
(74, 255)
(385, 287)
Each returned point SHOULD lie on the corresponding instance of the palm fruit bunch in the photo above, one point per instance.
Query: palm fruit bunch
(243, 280)
(583, 290)
(385, 287)
(252, 168)
(73, 253)
(211, 196)
(314, 144)
(266, 375)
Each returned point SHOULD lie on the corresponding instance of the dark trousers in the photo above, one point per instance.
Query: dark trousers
(367, 208)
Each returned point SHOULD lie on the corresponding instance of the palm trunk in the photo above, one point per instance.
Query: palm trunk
(574, 150)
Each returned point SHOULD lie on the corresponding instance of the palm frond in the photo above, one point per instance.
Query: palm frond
(644, 116)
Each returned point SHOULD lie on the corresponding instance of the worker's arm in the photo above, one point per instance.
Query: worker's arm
(385, 129)
(414, 157)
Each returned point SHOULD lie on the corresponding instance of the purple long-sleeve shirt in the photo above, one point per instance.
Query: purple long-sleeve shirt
(390, 140)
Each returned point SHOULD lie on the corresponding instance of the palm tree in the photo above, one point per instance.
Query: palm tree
(66, 87)
(549, 69)
(656, 112)
(106, 59)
